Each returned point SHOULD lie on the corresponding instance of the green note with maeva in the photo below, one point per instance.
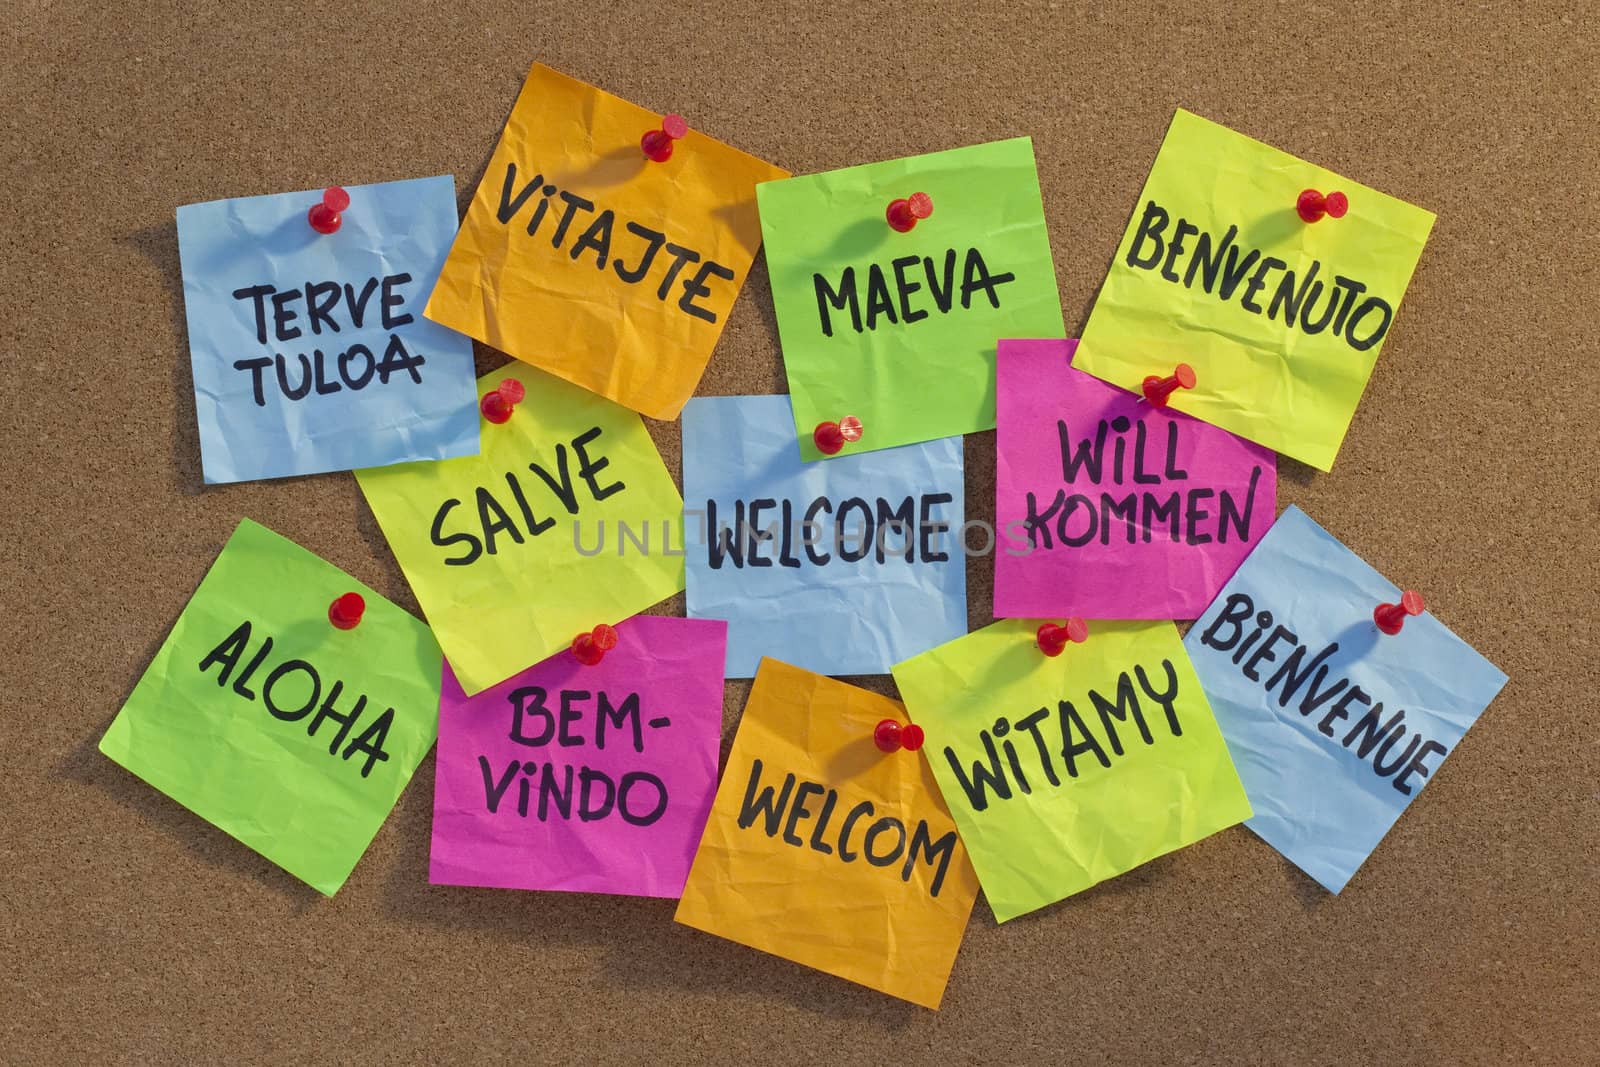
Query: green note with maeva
(889, 316)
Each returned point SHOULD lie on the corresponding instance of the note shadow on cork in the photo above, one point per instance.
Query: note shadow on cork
(639, 944)
(159, 244)
(87, 766)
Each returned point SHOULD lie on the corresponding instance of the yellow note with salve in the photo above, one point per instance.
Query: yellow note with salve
(827, 851)
(514, 551)
(582, 256)
(1280, 314)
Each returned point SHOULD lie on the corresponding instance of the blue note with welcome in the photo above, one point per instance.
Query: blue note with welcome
(310, 351)
(1333, 726)
(841, 567)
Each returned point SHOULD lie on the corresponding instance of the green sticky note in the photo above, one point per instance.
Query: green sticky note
(1281, 319)
(266, 720)
(566, 518)
(1062, 772)
(899, 329)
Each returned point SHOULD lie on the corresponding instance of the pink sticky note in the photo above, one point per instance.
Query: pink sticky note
(1109, 508)
(584, 779)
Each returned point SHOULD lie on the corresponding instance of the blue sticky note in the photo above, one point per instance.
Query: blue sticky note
(310, 351)
(1333, 725)
(842, 567)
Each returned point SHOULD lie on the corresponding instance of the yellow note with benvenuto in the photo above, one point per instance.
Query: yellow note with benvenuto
(1281, 319)
(824, 850)
(584, 258)
(565, 519)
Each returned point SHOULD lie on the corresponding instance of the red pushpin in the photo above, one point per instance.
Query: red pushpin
(325, 217)
(1390, 617)
(1312, 205)
(890, 736)
(830, 437)
(1157, 390)
(903, 214)
(498, 404)
(1052, 639)
(591, 648)
(346, 611)
(657, 144)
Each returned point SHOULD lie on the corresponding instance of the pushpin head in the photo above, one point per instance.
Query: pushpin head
(1158, 390)
(886, 735)
(1312, 205)
(498, 404)
(904, 213)
(591, 648)
(890, 736)
(828, 437)
(657, 144)
(1052, 639)
(326, 217)
(495, 407)
(346, 611)
(1391, 617)
(585, 651)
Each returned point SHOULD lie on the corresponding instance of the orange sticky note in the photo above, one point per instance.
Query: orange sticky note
(587, 260)
(826, 851)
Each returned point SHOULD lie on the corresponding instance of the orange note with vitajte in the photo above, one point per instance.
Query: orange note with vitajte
(596, 260)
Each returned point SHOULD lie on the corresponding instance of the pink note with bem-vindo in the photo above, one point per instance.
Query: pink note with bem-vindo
(1108, 506)
(584, 777)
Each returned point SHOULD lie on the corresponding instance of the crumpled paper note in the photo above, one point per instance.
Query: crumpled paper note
(553, 572)
(1183, 475)
(237, 740)
(908, 381)
(1326, 781)
(826, 851)
(623, 758)
(840, 616)
(348, 415)
(549, 284)
(1260, 372)
(1062, 772)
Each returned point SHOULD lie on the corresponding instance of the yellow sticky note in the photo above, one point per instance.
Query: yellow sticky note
(1281, 319)
(514, 551)
(1062, 772)
(581, 257)
(824, 850)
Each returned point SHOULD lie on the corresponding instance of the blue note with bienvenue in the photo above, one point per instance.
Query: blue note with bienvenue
(1333, 725)
(310, 351)
(842, 567)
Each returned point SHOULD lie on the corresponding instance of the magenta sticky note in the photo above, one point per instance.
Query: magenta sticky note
(584, 779)
(1108, 507)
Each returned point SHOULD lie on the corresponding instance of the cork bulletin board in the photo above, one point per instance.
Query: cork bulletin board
(133, 931)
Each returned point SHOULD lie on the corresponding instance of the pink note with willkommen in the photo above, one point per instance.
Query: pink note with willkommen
(1108, 507)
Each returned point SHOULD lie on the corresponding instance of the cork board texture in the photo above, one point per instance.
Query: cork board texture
(133, 931)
